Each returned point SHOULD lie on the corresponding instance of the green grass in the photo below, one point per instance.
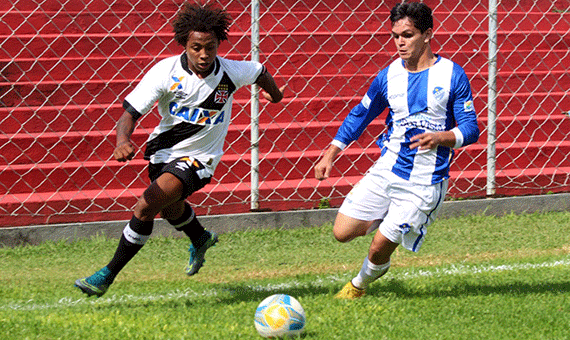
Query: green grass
(476, 277)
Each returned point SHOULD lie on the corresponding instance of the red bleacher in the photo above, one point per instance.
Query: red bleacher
(61, 82)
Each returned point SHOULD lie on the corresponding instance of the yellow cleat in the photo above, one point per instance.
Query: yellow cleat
(349, 292)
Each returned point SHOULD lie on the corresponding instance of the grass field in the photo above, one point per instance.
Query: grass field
(476, 277)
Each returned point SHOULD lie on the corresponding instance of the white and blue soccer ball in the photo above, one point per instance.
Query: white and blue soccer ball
(279, 316)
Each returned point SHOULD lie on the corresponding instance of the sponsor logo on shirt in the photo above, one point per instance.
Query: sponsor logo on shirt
(198, 115)
(420, 121)
(177, 88)
(177, 83)
(396, 95)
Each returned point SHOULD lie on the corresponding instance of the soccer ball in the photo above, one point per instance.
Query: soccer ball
(278, 316)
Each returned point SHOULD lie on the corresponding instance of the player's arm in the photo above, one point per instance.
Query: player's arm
(151, 87)
(272, 93)
(373, 103)
(324, 166)
(124, 149)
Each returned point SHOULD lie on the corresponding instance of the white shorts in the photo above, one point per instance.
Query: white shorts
(404, 209)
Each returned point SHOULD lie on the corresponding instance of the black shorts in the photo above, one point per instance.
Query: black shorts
(189, 171)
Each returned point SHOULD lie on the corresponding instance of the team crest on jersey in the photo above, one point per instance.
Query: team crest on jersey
(405, 228)
(438, 93)
(222, 94)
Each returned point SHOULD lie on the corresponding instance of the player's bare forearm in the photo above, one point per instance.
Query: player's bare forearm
(272, 93)
(324, 166)
(430, 140)
(124, 150)
(125, 128)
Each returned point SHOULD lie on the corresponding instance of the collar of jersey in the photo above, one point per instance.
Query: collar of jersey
(438, 58)
(184, 62)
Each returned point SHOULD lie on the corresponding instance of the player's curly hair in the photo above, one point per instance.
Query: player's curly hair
(419, 13)
(200, 18)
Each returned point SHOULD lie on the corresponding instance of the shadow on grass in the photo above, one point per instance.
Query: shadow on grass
(231, 293)
(404, 291)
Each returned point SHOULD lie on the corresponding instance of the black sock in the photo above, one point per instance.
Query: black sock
(189, 224)
(134, 237)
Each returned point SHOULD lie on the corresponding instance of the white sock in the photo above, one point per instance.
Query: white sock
(369, 273)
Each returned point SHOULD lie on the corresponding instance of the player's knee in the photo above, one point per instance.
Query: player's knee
(342, 235)
(175, 211)
(145, 211)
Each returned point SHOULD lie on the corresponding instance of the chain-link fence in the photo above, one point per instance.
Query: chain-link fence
(66, 67)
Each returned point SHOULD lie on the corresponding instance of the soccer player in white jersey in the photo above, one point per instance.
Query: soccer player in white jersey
(430, 112)
(194, 91)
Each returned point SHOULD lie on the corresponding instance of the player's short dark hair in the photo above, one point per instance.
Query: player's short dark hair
(203, 18)
(419, 13)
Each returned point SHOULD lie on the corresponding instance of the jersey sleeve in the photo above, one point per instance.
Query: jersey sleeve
(243, 73)
(372, 105)
(467, 130)
(151, 87)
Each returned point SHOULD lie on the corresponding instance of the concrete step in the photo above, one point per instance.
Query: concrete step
(274, 166)
(104, 45)
(310, 18)
(97, 205)
(98, 144)
(240, 6)
(69, 118)
(357, 68)
(51, 147)
(101, 93)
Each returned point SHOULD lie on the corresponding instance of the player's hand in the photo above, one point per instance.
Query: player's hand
(124, 152)
(270, 98)
(424, 141)
(323, 169)
(324, 166)
(430, 140)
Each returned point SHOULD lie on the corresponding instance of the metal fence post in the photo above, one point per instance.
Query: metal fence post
(492, 99)
(254, 108)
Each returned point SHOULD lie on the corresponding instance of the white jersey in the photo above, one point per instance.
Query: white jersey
(436, 99)
(195, 112)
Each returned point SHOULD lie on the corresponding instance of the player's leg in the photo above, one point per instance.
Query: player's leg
(183, 218)
(412, 209)
(347, 228)
(374, 266)
(181, 215)
(361, 213)
(164, 191)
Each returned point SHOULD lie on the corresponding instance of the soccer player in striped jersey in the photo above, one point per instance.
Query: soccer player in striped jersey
(194, 91)
(430, 113)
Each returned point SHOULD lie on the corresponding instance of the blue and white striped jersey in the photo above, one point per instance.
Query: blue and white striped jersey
(436, 99)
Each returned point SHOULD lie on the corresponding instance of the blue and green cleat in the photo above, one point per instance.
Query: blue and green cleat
(96, 284)
(197, 254)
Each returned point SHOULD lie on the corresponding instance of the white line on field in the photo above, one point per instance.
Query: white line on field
(31, 305)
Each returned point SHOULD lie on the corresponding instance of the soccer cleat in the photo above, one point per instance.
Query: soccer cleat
(96, 284)
(197, 254)
(349, 292)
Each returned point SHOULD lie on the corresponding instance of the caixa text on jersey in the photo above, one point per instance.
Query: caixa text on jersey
(196, 115)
